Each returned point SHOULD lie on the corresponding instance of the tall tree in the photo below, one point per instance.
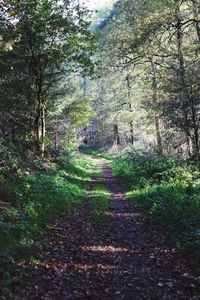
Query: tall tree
(50, 38)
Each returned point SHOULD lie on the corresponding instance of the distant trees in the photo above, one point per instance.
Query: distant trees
(160, 41)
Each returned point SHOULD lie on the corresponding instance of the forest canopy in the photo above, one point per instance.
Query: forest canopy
(150, 67)
(141, 80)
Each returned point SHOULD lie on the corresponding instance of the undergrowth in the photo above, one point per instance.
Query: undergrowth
(32, 198)
(169, 189)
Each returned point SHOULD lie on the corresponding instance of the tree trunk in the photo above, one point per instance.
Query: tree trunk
(10, 136)
(56, 141)
(130, 108)
(33, 132)
(181, 72)
(116, 134)
(196, 127)
(41, 128)
(43, 132)
(84, 87)
(196, 11)
(131, 132)
(156, 114)
(34, 147)
(158, 135)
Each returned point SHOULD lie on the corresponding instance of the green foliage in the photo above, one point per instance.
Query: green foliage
(169, 190)
(38, 198)
(150, 70)
(79, 114)
(142, 169)
(87, 149)
(41, 44)
(10, 160)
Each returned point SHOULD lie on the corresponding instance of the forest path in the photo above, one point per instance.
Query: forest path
(123, 258)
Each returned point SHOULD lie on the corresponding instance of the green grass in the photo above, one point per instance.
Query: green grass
(169, 189)
(86, 149)
(99, 203)
(99, 197)
(33, 201)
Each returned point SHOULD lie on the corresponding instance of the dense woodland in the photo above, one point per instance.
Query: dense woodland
(150, 62)
(123, 84)
(136, 73)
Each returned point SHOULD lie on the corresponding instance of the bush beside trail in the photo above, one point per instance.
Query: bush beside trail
(169, 189)
(32, 197)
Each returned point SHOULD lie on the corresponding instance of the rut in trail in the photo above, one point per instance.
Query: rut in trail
(125, 258)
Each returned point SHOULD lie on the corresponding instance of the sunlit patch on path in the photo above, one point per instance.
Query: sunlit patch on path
(110, 249)
(123, 215)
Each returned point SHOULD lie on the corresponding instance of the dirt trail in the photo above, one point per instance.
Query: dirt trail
(125, 258)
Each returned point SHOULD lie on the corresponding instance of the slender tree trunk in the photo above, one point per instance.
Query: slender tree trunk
(116, 134)
(84, 87)
(34, 145)
(188, 97)
(116, 128)
(43, 131)
(34, 137)
(32, 131)
(196, 11)
(131, 132)
(10, 136)
(130, 108)
(41, 128)
(156, 114)
(195, 126)
(56, 141)
(182, 80)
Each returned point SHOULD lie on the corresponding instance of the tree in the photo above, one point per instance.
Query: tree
(49, 38)
(162, 36)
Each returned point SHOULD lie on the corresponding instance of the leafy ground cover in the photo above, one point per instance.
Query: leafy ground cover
(32, 198)
(169, 189)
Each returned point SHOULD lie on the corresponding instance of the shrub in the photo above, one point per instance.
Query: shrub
(170, 190)
(34, 200)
